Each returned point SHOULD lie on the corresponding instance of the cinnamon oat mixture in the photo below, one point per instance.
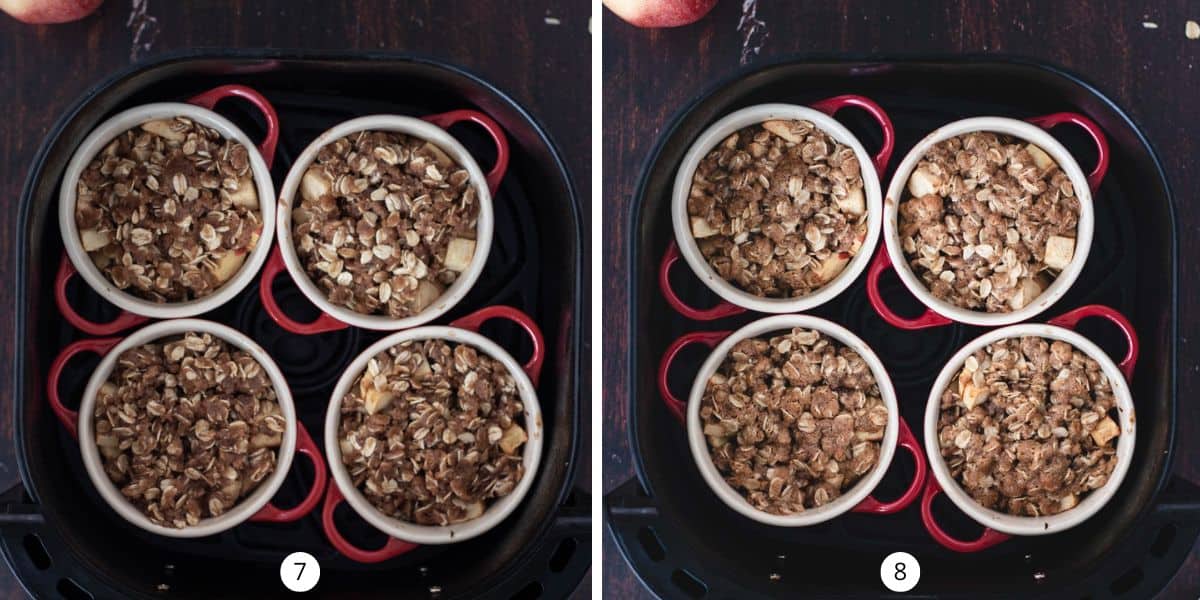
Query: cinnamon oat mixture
(169, 210)
(186, 427)
(431, 432)
(778, 208)
(793, 421)
(990, 222)
(1026, 427)
(385, 222)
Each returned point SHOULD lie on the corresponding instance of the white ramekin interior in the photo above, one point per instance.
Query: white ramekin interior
(247, 506)
(409, 126)
(699, 444)
(95, 142)
(1032, 525)
(498, 510)
(717, 133)
(1023, 131)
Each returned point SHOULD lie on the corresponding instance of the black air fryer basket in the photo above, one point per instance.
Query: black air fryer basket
(59, 536)
(684, 542)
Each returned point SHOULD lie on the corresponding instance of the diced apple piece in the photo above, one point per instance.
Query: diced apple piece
(228, 265)
(1031, 288)
(163, 129)
(266, 440)
(701, 229)
(854, 202)
(377, 400)
(1105, 431)
(473, 511)
(832, 267)
(459, 253)
(973, 395)
(427, 293)
(442, 159)
(94, 239)
(512, 439)
(232, 489)
(922, 183)
(109, 446)
(783, 129)
(1059, 251)
(314, 185)
(245, 194)
(1040, 158)
(1068, 502)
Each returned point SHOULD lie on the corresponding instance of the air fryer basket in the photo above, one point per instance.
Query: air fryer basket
(685, 543)
(60, 537)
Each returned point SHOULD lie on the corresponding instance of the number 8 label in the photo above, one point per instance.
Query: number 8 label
(900, 572)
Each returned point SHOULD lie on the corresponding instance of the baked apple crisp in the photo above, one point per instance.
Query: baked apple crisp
(1026, 427)
(431, 432)
(778, 209)
(990, 221)
(385, 222)
(168, 210)
(793, 420)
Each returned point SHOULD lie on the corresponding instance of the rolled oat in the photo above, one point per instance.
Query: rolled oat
(990, 222)
(432, 433)
(778, 209)
(168, 210)
(1026, 427)
(793, 420)
(385, 222)
(186, 427)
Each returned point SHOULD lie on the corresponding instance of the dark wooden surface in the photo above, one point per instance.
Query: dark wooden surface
(542, 63)
(1152, 73)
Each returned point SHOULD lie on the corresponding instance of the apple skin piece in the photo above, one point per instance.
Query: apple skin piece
(660, 13)
(45, 12)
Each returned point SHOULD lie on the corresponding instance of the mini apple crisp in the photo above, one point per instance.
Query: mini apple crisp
(186, 427)
(990, 222)
(1026, 429)
(431, 432)
(793, 420)
(385, 222)
(778, 208)
(169, 210)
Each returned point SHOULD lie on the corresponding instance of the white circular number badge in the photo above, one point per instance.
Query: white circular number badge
(900, 572)
(300, 572)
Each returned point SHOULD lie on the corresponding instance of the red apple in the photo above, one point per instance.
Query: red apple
(49, 11)
(660, 13)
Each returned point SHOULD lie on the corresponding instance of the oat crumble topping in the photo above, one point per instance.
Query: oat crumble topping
(385, 222)
(1026, 426)
(793, 420)
(778, 208)
(186, 427)
(990, 222)
(168, 210)
(431, 432)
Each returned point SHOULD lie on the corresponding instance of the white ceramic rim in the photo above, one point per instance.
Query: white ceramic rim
(714, 135)
(1023, 131)
(699, 444)
(95, 142)
(416, 128)
(245, 508)
(1094, 501)
(432, 534)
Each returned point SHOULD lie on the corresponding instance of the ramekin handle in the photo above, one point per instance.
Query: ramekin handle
(475, 320)
(721, 310)
(391, 549)
(306, 446)
(124, 321)
(1072, 318)
(271, 270)
(708, 338)
(68, 417)
(909, 442)
(210, 99)
(1102, 153)
(445, 120)
(830, 106)
(987, 539)
(879, 264)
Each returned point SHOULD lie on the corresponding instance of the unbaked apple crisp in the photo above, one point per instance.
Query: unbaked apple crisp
(793, 420)
(385, 222)
(778, 209)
